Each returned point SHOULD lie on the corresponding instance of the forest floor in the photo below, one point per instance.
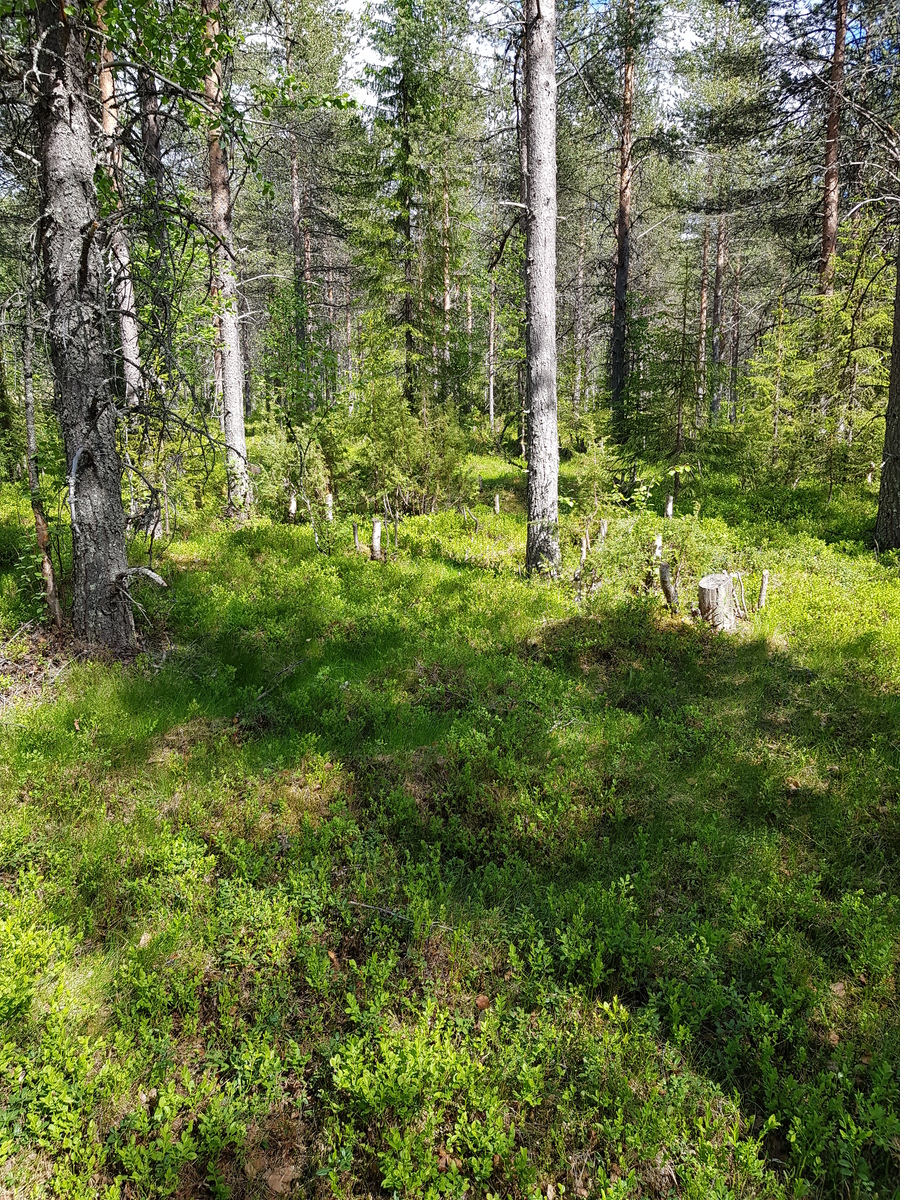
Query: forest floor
(419, 879)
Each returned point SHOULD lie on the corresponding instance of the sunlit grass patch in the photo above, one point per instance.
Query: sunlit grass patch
(257, 883)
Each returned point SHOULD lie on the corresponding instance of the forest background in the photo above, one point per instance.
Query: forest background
(270, 291)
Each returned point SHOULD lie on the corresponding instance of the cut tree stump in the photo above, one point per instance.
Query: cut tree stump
(376, 539)
(670, 505)
(356, 537)
(496, 502)
(716, 594)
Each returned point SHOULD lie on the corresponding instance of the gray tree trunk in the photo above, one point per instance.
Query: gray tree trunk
(74, 277)
(42, 534)
(225, 285)
(578, 324)
(668, 586)
(718, 328)
(700, 413)
(887, 525)
(735, 342)
(120, 252)
(619, 346)
(152, 163)
(492, 327)
(832, 190)
(542, 548)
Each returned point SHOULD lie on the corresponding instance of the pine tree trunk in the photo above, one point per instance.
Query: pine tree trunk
(447, 299)
(619, 347)
(470, 326)
(331, 369)
(542, 549)
(682, 374)
(578, 324)
(522, 375)
(735, 342)
(151, 142)
(297, 243)
(348, 317)
(776, 394)
(42, 534)
(887, 525)
(120, 253)
(492, 322)
(296, 206)
(717, 327)
(832, 129)
(74, 275)
(701, 331)
(226, 288)
(152, 162)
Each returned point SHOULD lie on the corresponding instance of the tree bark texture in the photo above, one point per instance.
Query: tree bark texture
(300, 298)
(735, 343)
(226, 288)
(74, 275)
(542, 547)
(519, 88)
(716, 597)
(152, 162)
(887, 525)
(619, 346)
(42, 534)
(578, 325)
(492, 328)
(701, 330)
(120, 253)
(717, 328)
(668, 586)
(832, 129)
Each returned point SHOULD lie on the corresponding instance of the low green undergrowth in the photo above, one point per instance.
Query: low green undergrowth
(422, 879)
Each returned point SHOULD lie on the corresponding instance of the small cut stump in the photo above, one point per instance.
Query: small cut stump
(716, 594)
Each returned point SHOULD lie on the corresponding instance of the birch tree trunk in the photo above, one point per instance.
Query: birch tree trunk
(74, 277)
(542, 548)
(619, 347)
(832, 129)
(228, 330)
(42, 534)
(887, 525)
